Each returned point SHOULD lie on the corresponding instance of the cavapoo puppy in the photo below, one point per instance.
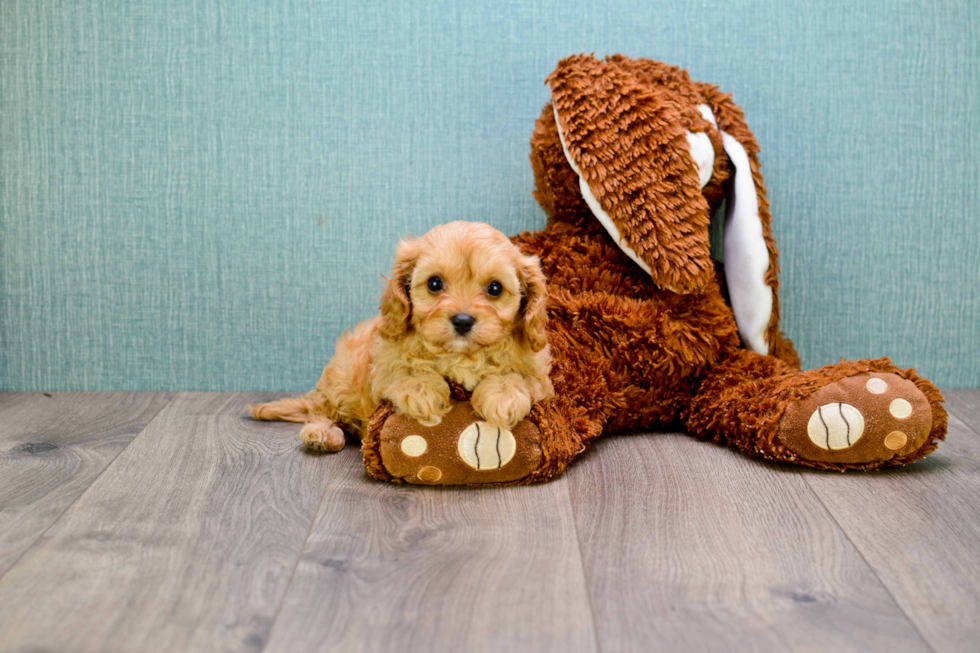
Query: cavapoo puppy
(462, 304)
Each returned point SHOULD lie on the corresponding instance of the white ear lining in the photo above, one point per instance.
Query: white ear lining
(746, 254)
(708, 115)
(703, 153)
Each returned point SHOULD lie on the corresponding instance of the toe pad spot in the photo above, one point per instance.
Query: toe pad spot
(900, 408)
(430, 474)
(896, 440)
(414, 446)
(876, 386)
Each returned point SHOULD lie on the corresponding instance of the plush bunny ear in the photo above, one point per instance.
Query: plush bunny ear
(626, 142)
(751, 266)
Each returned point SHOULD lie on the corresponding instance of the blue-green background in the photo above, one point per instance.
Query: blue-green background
(204, 194)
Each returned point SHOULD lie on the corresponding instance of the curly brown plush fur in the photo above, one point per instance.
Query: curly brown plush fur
(642, 331)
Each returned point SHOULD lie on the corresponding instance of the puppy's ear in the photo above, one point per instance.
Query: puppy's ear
(534, 307)
(396, 303)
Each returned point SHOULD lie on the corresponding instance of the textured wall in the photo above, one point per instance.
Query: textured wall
(202, 194)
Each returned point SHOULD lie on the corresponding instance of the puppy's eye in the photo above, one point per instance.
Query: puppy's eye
(434, 284)
(494, 289)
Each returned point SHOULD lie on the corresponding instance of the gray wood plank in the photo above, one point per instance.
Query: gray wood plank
(689, 546)
(965, 404)
(919, 528)
(401, 568)
(185, 543)
(52, 446)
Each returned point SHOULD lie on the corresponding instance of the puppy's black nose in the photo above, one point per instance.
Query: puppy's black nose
(462, 323)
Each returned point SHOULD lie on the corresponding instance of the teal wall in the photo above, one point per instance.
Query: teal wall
(202, 194)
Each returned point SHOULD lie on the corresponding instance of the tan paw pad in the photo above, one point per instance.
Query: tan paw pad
(835, 426)
(482, 446)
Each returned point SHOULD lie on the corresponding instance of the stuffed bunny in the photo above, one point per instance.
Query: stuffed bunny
(631, 159)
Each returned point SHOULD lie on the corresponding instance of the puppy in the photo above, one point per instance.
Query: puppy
(462, 304)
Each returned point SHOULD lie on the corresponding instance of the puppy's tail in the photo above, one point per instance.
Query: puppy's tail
(291, 409)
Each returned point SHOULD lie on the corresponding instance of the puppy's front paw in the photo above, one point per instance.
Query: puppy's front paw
(503, 401)
(423, 400)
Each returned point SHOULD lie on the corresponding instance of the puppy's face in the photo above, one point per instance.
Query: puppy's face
(465, 292)
(467, 287)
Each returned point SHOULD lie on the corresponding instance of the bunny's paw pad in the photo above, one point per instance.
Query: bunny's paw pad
(859, 419)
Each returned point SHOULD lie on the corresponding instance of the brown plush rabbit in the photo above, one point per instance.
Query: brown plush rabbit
(631, 158)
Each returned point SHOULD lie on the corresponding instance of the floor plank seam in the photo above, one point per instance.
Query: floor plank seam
(870, 567)
(975, 430)
(292, 573)
(57, 519)
(585, 576)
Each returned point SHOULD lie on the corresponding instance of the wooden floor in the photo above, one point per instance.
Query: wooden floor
(171, 522)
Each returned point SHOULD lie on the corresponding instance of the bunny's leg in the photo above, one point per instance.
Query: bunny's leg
(850, 415)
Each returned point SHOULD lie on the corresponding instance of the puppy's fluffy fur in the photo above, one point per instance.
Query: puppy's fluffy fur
(407, 352)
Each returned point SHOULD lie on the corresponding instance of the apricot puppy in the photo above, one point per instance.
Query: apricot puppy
(462, 304)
